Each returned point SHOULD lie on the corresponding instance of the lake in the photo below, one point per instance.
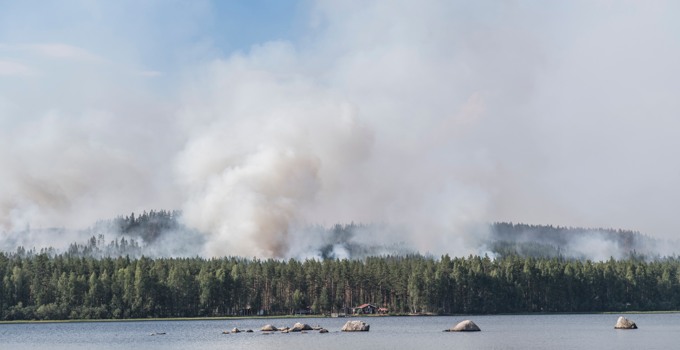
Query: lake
(656, 331)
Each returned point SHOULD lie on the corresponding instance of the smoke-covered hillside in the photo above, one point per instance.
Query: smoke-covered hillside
(154, 233)
(163, 234)
(572, 242)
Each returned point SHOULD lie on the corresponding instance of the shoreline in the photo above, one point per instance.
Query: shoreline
(228, 318)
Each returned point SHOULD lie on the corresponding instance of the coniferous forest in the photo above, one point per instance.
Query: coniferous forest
(62, 286)
(529, 272)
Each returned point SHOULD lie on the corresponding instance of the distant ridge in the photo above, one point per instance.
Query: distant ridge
(162, 233)
(508, 238)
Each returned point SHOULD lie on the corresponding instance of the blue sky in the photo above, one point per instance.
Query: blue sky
(259, 117)
(232, 22)
(155, 34)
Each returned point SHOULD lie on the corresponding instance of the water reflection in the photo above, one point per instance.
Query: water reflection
(657, 331)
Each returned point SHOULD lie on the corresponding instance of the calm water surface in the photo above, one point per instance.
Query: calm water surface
(657, 331)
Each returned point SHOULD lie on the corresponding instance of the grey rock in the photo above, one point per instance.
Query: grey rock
(465, 326)
(298, 327)
(269, 328)
(624, 323)
(355, 326)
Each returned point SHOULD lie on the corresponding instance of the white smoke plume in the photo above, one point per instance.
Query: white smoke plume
(277, 149)
(431, 118)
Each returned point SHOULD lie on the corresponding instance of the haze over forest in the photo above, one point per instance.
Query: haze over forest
(162, 234)
(267, 123)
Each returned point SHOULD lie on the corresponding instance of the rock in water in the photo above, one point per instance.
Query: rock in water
(624, 323)
(269, 328)
(355, 326)
(301, 327)
(323, 330)
(465, 326)
(236, 330)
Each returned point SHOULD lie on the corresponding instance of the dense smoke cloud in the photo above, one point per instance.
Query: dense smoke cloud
(428, 118)
(278, 149)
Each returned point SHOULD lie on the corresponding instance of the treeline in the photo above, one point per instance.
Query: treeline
(68, 287)
(547, 241)
(96, 247)
(148, 225)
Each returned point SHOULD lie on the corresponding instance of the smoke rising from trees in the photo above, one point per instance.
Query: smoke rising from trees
(432, 118)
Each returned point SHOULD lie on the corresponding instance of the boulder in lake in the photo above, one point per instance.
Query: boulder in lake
(298, 327)
(624, 323)
(355, 326)
(236, 330)
(269, 328)
(465, 326)
(323, 330)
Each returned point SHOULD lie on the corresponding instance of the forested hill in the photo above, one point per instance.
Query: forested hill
(530, 269)
(147, 226)
(151, 234)
(163, 234)
(572, 242)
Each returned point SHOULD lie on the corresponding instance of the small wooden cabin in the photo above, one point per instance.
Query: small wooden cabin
(367, 309)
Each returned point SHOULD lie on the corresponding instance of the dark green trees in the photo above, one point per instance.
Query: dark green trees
(41, 286)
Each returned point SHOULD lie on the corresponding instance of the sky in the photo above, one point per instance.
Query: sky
(258, 118)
